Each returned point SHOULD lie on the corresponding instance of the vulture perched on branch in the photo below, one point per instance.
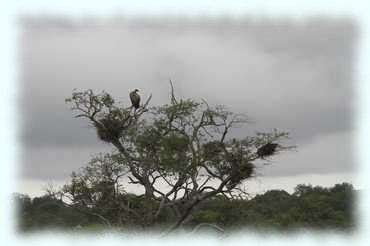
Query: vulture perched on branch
(135, 99)
(267, 149)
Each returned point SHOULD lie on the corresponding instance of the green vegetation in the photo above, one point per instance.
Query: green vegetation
(308, 207)
(188, 147)
(184, 145)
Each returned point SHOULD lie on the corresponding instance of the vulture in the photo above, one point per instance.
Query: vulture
(135, 99)
(267, 149)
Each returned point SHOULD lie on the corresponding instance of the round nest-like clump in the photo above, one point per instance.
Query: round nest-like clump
(267, 150)
(240, 173)
(109, 129)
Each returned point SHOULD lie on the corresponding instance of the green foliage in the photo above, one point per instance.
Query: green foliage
(46, 213)
(316, 208)
(178, 138)
(206, 216)
(184, 144)
(95, 227)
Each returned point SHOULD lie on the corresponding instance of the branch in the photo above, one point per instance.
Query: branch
(105, 220)
(196, 228)
(173, 98)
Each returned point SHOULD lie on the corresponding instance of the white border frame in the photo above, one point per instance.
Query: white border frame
(297, 10)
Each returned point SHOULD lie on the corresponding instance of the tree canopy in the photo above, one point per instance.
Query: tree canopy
(180, 153)
(315, 208)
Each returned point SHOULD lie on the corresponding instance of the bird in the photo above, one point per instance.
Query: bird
(135, 99)
(267, 150)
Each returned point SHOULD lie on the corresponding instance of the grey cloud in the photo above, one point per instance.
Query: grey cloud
(55, 162)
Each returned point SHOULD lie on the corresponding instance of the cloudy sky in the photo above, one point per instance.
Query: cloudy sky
(296, 77)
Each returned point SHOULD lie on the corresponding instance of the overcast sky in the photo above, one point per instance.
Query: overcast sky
(294, 77)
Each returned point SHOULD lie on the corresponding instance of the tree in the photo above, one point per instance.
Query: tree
(320, 208)
(46, 212)
(184, 144)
